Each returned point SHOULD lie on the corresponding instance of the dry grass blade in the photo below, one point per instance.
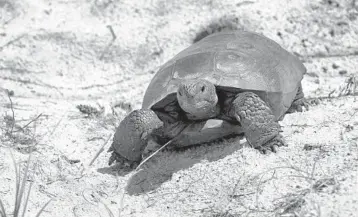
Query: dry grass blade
(2, 209)
(26, 200)
(26, 125)
(110, 213)
(9, 94)
(17, 181)
(20, 187)
(350, 86)
(43, 208)
(100, 150)
(21, 197)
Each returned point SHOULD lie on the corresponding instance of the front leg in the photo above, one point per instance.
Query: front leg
(131, 136)
(260, 127)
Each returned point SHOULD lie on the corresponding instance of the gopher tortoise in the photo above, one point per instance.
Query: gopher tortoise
(243, 78)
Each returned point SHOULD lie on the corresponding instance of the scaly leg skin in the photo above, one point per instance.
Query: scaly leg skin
(131, 137)
(261, 129)
(206, 133)
(299, 102)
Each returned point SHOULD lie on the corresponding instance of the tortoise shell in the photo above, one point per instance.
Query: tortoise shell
(233, 61)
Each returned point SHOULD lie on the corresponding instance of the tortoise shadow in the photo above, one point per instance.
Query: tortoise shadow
(115, 170)
(161, 167)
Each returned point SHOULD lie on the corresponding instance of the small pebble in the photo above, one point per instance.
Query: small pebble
(279, 34)
(331, 32)
(335, 66)
(324, 69)
(10, 93)
(342, 72)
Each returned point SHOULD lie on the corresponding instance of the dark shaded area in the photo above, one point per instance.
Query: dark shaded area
(221, 25)
(161, 168)
(114, 170)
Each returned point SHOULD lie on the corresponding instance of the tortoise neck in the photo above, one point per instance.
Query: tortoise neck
(214, 112)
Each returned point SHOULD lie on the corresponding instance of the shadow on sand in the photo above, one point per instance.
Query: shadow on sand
(162, 166)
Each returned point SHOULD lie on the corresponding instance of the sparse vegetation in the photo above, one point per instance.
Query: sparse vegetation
(294, 203)
(21, 196)
(349, 88)
(19, 137)
(60, 58)
(89, 110)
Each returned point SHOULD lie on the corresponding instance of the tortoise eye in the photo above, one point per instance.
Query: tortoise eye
(202, 88)
(180, 94)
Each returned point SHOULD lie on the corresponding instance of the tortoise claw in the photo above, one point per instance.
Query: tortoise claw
(112, 159)
(111, 149)
(299, 105)
(274, 148)
(125, 163)
(272, 145)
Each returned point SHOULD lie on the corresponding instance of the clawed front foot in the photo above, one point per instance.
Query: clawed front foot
(124, 162)
(131, 137)
(261, 129)
(272, 145)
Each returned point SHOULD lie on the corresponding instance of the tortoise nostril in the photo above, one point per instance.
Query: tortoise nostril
(202, 88)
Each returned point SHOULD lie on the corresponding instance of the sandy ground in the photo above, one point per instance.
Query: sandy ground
(56, 55)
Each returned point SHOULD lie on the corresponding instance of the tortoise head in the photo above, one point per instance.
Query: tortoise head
(197, 97)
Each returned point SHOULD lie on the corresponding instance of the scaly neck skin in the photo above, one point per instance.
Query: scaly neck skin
(213, 113)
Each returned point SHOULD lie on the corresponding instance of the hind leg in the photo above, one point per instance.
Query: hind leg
(299, 102)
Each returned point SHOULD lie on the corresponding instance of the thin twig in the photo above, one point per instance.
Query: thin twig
(241, 195)
(313, 169)
(114, 37)
(100, 150)
(26, 125)
(329, 96)
(43, 208)
(12, 110)
(109, 211)
(56, 126)
(337, 55)
(150, 156)
(160, 48)
(121, 203)
(12, 41)
(243, 3)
